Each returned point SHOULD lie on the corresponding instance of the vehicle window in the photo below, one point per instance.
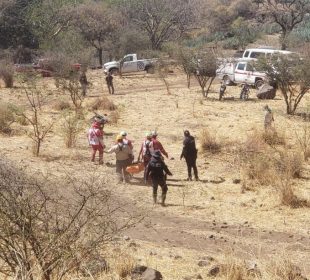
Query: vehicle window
(256, 54)
(128, 58)
(241, 66)
(250, 67)
(246, 54)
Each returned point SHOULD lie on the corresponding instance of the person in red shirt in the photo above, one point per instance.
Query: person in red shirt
(146, 149)
(95, 139)
(157, 146)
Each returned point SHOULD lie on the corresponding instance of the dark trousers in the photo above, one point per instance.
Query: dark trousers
(111, 88)
(121, 166)
(159, 182)
(191, 164)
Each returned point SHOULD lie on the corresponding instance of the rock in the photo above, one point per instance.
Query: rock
(127, 238)
(211, 236)
(203, 263)
(250, 265)
(94, 266)
(142, 272)
(214, 271)
(266, 92)
(207, 258)
(236, 181)
(197, 276)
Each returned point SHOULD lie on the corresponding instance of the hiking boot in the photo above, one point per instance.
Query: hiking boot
(100, 162)
(197, 178)
(189, 179)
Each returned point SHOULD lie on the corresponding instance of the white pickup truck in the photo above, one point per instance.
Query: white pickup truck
(130, 63)
(240, 72)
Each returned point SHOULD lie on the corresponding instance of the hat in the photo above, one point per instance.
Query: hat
(123, 133)
(148, 134)
(119, 138)
(186, 133)
(154, 133)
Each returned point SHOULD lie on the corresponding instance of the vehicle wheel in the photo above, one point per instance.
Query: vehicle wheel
(259, 83)
(227, 81)
(150, 70)
(114, 71)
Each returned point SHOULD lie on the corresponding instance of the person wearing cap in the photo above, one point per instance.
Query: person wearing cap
(146, 149)
(189, 152)
(124, 157)
(269, 120)
(157, 169)
(157, 146)
(95, 139)
(126, 140)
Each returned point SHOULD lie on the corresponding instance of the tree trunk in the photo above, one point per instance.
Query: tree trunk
(100, 54)
(37, 147)
(283, 40)
(188, 76)
(212, 79)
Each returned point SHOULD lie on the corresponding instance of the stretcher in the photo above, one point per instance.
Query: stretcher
(135, 168)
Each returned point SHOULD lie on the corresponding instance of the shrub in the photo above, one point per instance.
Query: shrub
(290, 163)
(6, 73)
(114, 117)
(70, 129)
(6, 118)
(303, 140)
(208, 142)
(124, 266)
(103, 103)
(61, 105)
(272, 137)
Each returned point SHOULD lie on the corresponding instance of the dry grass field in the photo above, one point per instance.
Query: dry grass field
(229, 218)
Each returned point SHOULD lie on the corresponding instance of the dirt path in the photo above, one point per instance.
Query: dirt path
(216, 237)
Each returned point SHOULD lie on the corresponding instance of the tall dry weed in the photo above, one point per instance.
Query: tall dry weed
(71, 126)
(209, 142)
(6, 118)
(103, 103)
(7, 74)
(124, 265)
(303, 140)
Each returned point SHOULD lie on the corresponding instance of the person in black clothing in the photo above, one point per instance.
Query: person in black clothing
(83, 82)
(109, 80)
(189, 152)
(157, 169)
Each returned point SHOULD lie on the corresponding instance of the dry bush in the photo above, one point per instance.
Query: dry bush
(6, 74)
(303, 140)
(209, 143)
(71, 126)
(254, 143)
(6, 118)
(63, 229)
(290, 163)
(273, 137)
(103, 103)
(282, 269)
(114, 117)
(124, 265)
(286, 192)
(259, 168)
(61, 105)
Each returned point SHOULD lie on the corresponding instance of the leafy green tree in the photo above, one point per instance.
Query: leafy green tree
(96, 23)
(161, 20)
(287, 14)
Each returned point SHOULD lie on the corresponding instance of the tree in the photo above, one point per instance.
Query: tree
(184, 58)
(45, 234)
(291, 75)
(40, 128)
(14, 29)
(286, 13)
(96, 23)
(49, 18)
(161, 20)
(204, 69)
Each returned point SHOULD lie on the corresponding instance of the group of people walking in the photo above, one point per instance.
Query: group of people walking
(151, 154)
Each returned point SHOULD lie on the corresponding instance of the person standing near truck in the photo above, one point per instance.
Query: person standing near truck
(109, 81)
(83, 82)
(269, 119)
